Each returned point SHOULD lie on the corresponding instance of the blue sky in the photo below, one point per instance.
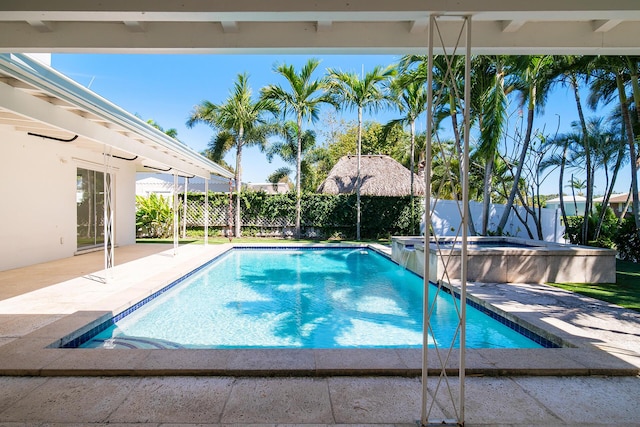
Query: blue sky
(165, 88)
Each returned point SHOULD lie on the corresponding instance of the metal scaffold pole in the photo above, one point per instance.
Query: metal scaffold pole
(445, 399)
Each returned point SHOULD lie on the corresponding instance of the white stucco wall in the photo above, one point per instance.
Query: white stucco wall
(38, 193)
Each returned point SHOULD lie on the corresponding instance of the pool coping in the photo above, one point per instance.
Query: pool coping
(32, 354)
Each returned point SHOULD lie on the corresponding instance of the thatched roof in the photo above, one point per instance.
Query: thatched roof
(380, 176)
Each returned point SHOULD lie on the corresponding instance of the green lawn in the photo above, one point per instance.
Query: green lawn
(626, 292)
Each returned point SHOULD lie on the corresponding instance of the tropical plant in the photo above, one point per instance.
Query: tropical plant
(240, 122)
(172, 132)
(410, 96)
(286, 147)
(366, 93)
(611, 74)
(280, 175)
(448, 89)
(532, 79)
(154, 216)
(489, 109)
(303, 98)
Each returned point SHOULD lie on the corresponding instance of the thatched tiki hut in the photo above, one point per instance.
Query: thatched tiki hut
(380, 176)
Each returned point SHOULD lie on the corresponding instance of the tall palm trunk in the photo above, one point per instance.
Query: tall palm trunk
(358, 180)
(624, 110)
(458, 139)
(563, 164)
(298, 176)
(238, 179)
(518, 174)
(587, 153)
(412, 126)
(486, 193)
(607, 196)
(633, 72)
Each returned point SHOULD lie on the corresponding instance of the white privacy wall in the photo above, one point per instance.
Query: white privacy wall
(38, 193)
(446, 220)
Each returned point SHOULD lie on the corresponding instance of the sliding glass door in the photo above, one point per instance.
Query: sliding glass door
(90, 208)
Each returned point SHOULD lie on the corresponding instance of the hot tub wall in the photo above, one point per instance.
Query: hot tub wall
(537, 264)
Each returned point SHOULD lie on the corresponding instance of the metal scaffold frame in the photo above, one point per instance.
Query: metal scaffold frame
(444, 391)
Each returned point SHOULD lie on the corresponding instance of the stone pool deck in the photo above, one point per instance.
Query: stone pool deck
(593, 381)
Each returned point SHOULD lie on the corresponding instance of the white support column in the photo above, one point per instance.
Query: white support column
(175, 214)
(184, 209)
(206, 211)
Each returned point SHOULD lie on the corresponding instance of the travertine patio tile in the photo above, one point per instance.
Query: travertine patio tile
(66, 325)
(540, 361)
(18, 325)
(597, 400)
(278, 400)
(600, 362)
(375, 399)
(349, 361)
(12, 389)
(91, 361)
(175, 400)
(489, 401)
(4, 341)
(186, 361)
(70, 400)
(26, 358)
(475, 363)
(265, 361)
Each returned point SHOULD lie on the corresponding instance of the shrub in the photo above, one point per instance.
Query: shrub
(627, 241)
(154, 216)
(323, 215)
(608, 231)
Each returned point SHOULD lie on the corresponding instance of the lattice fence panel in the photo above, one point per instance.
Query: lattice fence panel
(219, 217)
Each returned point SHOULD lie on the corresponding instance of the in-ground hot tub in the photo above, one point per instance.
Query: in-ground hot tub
(507, 259)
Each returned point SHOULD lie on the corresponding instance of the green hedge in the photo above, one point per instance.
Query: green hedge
(627, 241)
(326, 215)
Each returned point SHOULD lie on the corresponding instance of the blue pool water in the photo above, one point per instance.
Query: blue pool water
(300, 298)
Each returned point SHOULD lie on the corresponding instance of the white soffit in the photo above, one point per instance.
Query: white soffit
(311, 26)
(37, 99)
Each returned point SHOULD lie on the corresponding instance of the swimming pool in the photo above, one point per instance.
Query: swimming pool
(296, 298)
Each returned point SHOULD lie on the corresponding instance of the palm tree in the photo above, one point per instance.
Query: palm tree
(570, 70)
(287, 148)
(448, 88)
(489, 108)
(410, 95)
(366, 93)
(280, 175)
(304, 97)
(173, 133)
(240, 122)
(611, 74)
(533, 79)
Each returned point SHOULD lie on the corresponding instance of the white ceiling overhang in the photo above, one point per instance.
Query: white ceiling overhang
(38, 100)
(312, 26)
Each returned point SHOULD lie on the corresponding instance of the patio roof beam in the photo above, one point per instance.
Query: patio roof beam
(309, 26)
